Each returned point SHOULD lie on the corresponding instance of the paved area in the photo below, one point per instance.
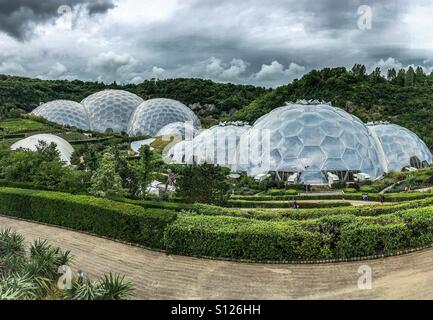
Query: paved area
(159, 276)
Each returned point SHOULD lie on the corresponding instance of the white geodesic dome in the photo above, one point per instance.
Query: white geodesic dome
(217, 145)
(183, 129)
(310, 139)
(401, 147)
(64, 112)
(31, 143)
(154, 114)
(111, 110)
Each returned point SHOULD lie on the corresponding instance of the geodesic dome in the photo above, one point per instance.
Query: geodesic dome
(183, 129)
(154, 114)
(64, 112)
(30, 143)
(111, 109)
(310, 139)
(217, 145)
(401, 147)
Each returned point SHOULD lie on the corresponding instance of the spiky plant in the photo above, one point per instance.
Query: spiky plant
(110, 287)
(34, 275)
(114, 287)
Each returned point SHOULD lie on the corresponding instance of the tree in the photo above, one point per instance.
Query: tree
(204, 183)
(125, 171)
(419, 75)
(90, 157)
(359, 71)
(376, 75)
(392, 74)
(106, 182)
(144, 169)
(410, 77)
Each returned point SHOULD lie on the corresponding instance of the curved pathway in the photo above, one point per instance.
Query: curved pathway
(159, 276)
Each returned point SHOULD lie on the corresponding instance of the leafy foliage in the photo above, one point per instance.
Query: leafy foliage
(33, 275)
(404, 99)
(203, 183)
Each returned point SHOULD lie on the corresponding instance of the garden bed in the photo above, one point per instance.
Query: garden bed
(302, 235)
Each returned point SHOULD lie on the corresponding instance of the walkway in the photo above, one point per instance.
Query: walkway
(158, 276)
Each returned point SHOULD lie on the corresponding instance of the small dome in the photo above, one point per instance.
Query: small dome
(183, 129)
(64, 112)
(401, 147)
(31, 143)
(152, 115)
(217, 145)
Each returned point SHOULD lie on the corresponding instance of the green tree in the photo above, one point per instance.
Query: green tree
(409, 78)
(105, 181)
(392, 74)
(144, 169)
(204, 183)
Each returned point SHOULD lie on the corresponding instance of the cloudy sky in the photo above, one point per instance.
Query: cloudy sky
(257, 42)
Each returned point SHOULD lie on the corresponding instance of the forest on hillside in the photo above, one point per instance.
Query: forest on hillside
(403, 97)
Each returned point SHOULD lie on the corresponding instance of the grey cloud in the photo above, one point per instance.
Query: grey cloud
(251, 41)
(17, 17)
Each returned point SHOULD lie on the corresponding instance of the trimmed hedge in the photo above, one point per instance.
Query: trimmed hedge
(103, 217)
(332, 237)
(147, 204)
(284, 204)
(349, 232)
(229, 237)
(388, 197)
(303, 214)
(282, 192)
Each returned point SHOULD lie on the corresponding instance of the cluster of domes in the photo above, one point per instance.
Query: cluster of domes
(310, 138)
(117, 111)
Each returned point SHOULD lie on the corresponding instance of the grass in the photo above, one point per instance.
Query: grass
(22, 125)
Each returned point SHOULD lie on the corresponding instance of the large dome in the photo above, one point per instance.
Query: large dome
(217, 145)
(31, 143)
(401, 147)
(64, 112)
(310, 139)
(154, 114)
(111, 109)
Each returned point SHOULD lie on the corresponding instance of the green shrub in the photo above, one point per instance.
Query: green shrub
(366, 189)
(350, 190)
(284, 204)
(282, 192)
(361, 239)
(239, 238)
(389, 197)
(96, 215)
(420, 223)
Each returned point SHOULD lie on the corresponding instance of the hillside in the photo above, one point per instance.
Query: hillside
(207, 98)
(404, 98)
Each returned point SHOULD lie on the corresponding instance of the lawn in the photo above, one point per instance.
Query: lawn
(12, 126)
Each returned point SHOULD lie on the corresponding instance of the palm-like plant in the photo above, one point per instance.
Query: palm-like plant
(34, 275)
(110, 287)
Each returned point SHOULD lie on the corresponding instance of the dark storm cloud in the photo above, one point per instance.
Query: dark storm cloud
(18, 16)
(250, 41)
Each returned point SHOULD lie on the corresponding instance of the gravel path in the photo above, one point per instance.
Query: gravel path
(159, 276)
